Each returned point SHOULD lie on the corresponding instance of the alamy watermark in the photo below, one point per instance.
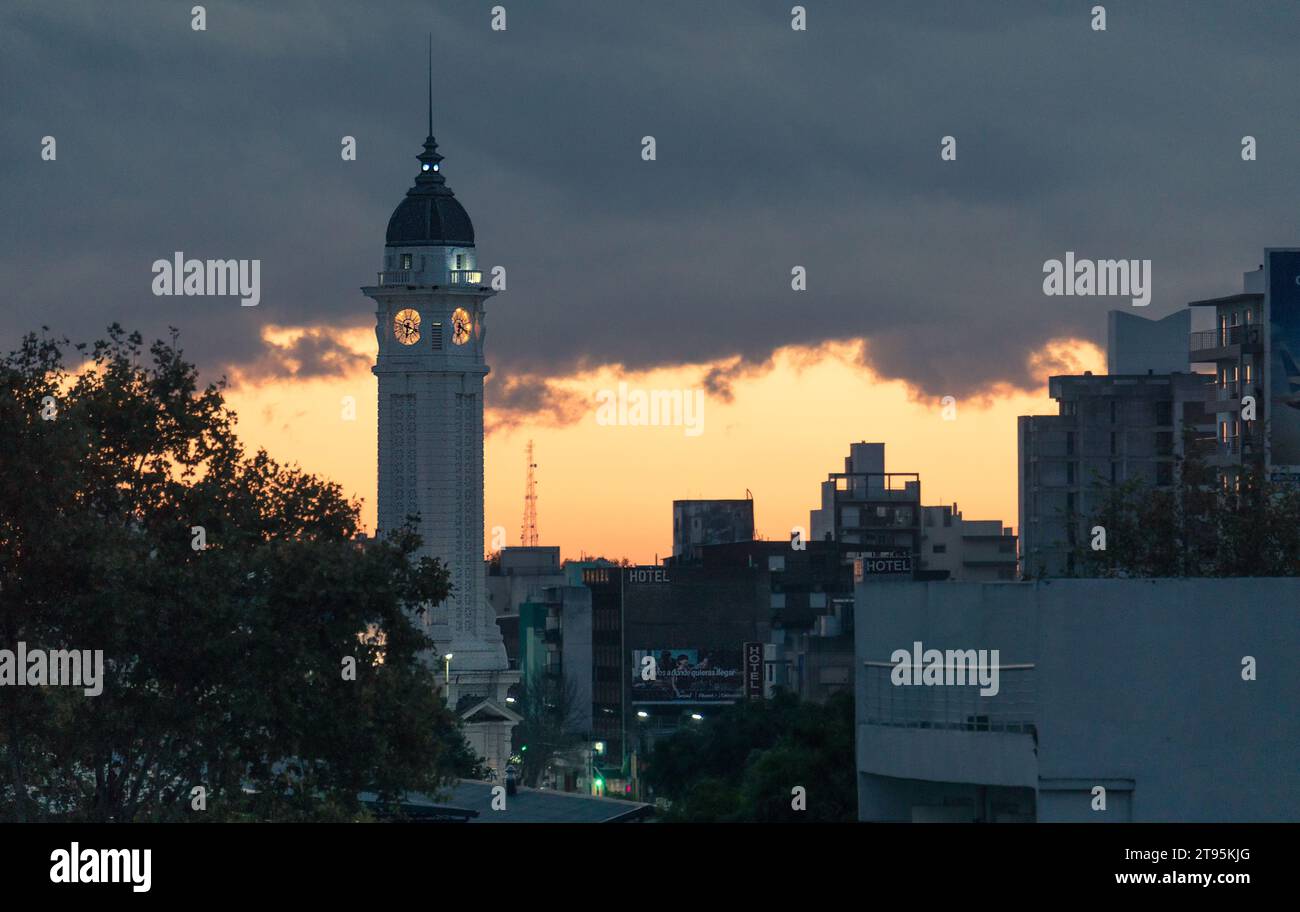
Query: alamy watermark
(946, 667)
(199, 278)
(59, 667)
(1131, 278)
(656, 408)
(75, 865)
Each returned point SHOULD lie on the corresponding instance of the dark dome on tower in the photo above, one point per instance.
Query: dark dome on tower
(430, 216)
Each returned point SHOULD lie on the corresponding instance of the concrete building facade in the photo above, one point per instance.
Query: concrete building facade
(1177, 697)
(1137, 345)
(697, 523)
(1110, 429)
(872, 512)
(967, 549)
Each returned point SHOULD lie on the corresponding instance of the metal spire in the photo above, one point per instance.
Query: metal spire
(430, 84)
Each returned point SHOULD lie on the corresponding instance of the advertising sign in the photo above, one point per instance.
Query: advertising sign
(687, 676)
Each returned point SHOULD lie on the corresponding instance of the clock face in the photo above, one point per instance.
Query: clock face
(460, 326)
(406, 326)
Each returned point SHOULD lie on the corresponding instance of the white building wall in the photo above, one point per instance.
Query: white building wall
(1138, 688)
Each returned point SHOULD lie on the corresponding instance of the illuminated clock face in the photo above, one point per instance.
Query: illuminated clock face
(460, 326)
(406, 326)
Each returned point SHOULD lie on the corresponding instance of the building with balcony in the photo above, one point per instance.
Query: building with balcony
(874, 513)
(1136, 687)
(1109, 429)
(1235, 349)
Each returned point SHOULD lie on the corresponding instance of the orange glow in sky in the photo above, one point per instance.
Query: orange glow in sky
(608, 489)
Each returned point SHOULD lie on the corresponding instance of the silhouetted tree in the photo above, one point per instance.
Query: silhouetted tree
(223, 665)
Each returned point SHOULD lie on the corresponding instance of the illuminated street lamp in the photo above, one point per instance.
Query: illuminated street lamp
(446, 668)
(697, 717)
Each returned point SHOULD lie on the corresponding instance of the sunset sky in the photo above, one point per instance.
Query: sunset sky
(775, 149)
(608, 490)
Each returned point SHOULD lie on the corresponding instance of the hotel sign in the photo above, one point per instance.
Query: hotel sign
(648, 575)
(896, 563)
(754, 671)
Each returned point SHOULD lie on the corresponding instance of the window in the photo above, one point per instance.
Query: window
(460, 260)
(1069, 443)
(1114, 411)
(776, 562)
(940, 549)
(435, 335)
(1114, 443)
(1069, 473)
(1164, 413)
(406, 261)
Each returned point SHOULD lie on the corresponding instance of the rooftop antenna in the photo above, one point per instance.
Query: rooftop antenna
(528, 531)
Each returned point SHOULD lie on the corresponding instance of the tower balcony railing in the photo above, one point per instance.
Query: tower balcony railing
(1224, 336)
(465, 278)
(958, 707)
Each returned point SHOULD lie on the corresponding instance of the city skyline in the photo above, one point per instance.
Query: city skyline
(726, 413)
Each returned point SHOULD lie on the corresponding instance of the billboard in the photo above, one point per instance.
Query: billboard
(687, 676)
(1282, 310)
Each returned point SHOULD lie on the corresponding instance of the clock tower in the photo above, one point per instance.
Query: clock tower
(430, 304)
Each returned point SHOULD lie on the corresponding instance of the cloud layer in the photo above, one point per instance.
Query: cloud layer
(775, 149)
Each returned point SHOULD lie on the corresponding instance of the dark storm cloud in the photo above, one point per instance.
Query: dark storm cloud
(316, 352)
(529, 397)
(775, 149)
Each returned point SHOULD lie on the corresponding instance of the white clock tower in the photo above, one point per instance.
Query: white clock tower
(430, 305)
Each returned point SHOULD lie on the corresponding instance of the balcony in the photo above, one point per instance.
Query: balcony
(958, 707)
(464, 278)
(949, 733)
(1213, 344)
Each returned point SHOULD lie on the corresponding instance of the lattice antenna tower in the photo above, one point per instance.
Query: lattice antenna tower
(528, 531)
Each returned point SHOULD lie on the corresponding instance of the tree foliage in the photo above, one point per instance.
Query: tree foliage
(549, 707)
(1199, 527)
(741, 764)
(223, 665)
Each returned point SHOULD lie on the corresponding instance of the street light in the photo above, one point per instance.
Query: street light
(642, 714)
(697, 717)
(446, 668)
